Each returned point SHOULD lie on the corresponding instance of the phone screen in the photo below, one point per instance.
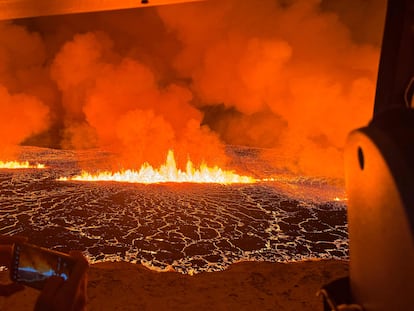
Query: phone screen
(33, 265)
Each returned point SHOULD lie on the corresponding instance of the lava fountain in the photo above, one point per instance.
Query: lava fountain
(168, 172)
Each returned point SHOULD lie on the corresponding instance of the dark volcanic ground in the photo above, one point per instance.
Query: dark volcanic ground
(191, 227)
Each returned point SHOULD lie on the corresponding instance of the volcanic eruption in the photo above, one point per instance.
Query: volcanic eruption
(291, 77)
(262, 92)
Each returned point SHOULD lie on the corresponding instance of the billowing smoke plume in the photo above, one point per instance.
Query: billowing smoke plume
(116, 102)
(22, 112)
(287, 74)
(293, 77)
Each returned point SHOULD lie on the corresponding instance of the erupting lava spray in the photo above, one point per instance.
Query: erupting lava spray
(293, 77)
(167, 172)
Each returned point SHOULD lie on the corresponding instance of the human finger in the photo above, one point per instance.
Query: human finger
(6, 247)
(47, 297)
(52, 285)
(79, 270)
(81, 297)
(6, 255)
(7, 290)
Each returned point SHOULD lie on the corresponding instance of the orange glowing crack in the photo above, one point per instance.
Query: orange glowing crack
(17, 165)
(338, 199)
(167, 172)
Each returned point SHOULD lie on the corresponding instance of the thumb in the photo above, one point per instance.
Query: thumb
(7, 290)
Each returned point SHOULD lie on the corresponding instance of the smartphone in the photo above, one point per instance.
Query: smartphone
(33, 265)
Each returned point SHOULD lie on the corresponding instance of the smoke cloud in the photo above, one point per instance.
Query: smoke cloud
(293, 77)
(22, 113)
(295, 73)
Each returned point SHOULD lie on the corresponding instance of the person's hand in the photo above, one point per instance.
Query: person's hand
(6, 257)
(69, 295)
(6, 248)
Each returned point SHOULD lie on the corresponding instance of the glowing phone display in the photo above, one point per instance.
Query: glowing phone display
(33, 265)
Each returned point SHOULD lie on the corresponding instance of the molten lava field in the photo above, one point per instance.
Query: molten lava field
(185, 226)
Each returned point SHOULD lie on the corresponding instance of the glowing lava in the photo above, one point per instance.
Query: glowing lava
(167, 172)
(18, 165)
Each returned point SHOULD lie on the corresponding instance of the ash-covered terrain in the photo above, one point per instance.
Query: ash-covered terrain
(189, 227)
